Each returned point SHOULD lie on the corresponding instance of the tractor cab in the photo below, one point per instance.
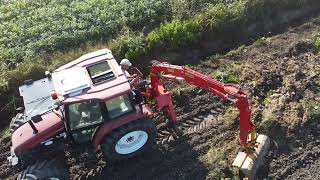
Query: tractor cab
(84, 118)
(93, 90)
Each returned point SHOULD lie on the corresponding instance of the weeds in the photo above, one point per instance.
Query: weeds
(226, 76)
(262, 41)
(266, 100)
(214, 58)
(269, 117)
(216, 156)
(312, 108)
(316, 43)
(174, 34)
(239, 50)
(230, 117)
(181, 92)
(130, 45)
(315, 112)
(186, 9)
(5, 132)
(230, 74)
(218, 164)
(219, 16)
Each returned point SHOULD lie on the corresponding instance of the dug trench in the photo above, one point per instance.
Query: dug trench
(280, 73)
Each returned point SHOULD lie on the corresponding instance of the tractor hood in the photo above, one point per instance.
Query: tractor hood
(24, 138)
(36, 97)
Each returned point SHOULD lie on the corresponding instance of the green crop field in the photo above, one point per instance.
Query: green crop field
(38, 35)
(30, 29)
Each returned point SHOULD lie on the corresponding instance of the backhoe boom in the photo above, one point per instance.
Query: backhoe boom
(225, 91)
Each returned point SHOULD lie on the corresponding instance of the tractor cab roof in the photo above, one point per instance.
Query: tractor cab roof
(93, 76)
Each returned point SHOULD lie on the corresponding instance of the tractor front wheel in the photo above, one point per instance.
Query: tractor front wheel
(45, 169)
(16, 122)
(129, 140)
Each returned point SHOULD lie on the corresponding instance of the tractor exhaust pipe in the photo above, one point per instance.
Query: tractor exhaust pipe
(248, 163)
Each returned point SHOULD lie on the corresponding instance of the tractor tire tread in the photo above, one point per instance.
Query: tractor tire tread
(44, 169)
(16, 122)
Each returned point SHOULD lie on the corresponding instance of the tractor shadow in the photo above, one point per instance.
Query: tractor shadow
(177, 160)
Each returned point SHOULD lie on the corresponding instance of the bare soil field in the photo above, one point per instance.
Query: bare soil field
(281, 74)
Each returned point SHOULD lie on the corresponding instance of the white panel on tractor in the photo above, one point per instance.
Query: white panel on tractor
(72, 81)
(36, 97)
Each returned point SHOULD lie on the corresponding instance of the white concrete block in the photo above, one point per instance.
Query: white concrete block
(249, 163)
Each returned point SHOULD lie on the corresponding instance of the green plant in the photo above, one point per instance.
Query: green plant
(4, 132)
(269, 94)
(239, 50)
(174, 34)
(219, 16)
(226, 76)
(262, 41)
(180, 93)
(185, 9)
(214, 58)
(188, 66)
(315, 112)
(216, 16)
(216, 156)
(130, 45)
(312, 107)
(316, 43)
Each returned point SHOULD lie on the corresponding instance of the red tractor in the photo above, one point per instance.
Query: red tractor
(90, 103)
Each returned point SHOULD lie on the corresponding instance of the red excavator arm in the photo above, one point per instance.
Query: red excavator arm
(170, 72)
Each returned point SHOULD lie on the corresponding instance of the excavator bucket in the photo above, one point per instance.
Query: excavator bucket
(248, 163)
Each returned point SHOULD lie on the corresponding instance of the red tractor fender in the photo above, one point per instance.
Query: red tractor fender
(24, 138)
(107, 128)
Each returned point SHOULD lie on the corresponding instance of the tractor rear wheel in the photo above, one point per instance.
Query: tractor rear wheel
(129, 140)
(45, 169)
(16, 122)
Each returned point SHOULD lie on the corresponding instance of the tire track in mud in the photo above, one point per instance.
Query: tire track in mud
(190, 126)
(205, 112)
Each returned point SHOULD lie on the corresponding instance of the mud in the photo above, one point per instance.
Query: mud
(5, 167)
(282, 76)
